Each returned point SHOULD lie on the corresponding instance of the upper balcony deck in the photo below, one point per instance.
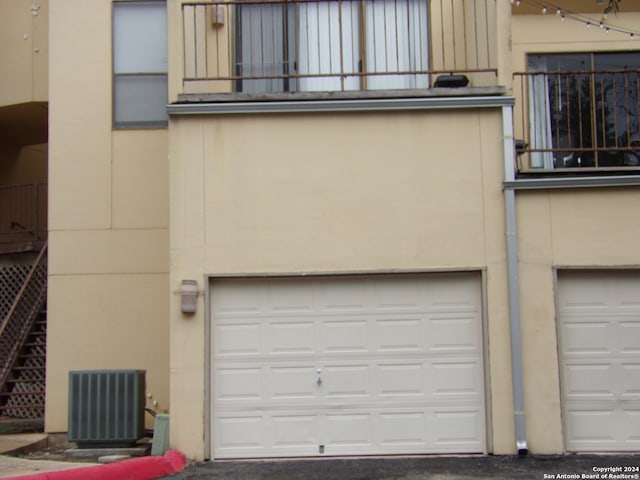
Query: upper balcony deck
(274, 49)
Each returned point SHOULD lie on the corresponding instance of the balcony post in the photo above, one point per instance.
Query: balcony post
(503, 47)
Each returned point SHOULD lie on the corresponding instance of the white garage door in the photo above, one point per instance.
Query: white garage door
(347, 365)
(599, 319)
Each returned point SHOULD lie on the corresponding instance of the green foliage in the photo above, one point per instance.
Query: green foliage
(612, 6)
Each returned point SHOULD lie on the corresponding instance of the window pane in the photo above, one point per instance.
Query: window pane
(616, 91)
(265, 47)
(329, 44)
(140, 100)
(568, 104)
(397, 41)
(139, 37)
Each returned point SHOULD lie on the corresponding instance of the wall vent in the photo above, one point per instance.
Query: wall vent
(106, 407)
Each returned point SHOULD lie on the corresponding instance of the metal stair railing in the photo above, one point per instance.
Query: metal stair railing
(15, 327)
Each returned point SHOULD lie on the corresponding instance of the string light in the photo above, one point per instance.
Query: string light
(586, 20)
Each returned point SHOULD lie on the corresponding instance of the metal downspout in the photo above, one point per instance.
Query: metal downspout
(513, 284)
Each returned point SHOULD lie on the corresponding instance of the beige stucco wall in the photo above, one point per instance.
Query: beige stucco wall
(308, 193)
(24, 53)
(108, 250)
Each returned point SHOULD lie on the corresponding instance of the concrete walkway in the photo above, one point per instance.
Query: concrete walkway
(22, 443)
(12, 466)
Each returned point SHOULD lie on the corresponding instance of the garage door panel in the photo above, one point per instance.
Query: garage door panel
(589, 338)
(284, 295)
(631, 427)
(457, 427)
(338, 295)
(453, 334)
(242, 434)
(401, 380)
(591, 429)
(629, 333)
(348, 431)
(239, 384)
(238, 340)
(399, 335)
(404, 430)
(590, 380)
(630, 381)
(456, 379)
(453, 294)
(227, 300)
(292, 382)
(580, 294)
(290, 337)
(395, 363)
(346, 381)
(627, 293)
(297, 431)
(402, 296)
(346, 335)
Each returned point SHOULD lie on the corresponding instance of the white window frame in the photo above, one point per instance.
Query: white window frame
(140, 64)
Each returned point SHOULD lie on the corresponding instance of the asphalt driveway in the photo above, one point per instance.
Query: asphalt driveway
(582, 467)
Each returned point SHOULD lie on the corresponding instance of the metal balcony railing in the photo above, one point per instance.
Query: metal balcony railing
(292, 46)
(23, 213)
(578, 121)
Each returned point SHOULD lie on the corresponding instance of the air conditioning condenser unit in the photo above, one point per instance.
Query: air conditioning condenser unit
(106, 407)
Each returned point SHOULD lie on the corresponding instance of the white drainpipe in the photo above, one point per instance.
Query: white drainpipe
(514, 289)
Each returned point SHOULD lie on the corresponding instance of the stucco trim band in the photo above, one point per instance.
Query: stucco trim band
(359, 105)
(572, 182)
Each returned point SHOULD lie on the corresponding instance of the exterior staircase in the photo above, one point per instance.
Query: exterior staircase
(23, 329)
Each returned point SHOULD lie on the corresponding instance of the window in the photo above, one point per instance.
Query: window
(584, 109)
(139, 64)
(329, 46)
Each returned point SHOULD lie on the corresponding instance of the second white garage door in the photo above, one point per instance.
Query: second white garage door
(347, 366)
(599, 327)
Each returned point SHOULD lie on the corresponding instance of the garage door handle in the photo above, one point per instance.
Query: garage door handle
(319, 372)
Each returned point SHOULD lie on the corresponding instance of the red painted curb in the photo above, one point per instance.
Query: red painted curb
(144, 468)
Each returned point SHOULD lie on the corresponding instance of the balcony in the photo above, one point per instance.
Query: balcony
(578, 122)
(23, 217)
(279, 49)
